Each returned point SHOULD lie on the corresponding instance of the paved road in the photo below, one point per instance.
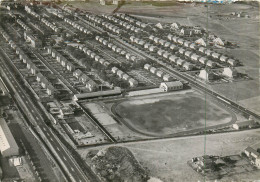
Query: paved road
(73, 169)
(197, 85)
(47, 64)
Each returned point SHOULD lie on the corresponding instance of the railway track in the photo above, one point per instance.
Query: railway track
(217, 96)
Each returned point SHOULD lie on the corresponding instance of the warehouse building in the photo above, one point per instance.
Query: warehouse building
(8, 145)
(170, 86)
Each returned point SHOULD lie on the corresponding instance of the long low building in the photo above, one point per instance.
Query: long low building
(170, 86)
(8, 145)
(92, 95)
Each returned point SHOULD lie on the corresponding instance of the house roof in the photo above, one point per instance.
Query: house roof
(253, 151)
(173, 83)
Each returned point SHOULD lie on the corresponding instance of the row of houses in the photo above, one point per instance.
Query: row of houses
(77, 26)
(86, 80)
(30, 11)
(100, 21)
(61, 59)
(203, 50)
(126, 17)
(209, 75)
(22, 24)
(29, 64)
(22, 56)
(132, 82)
(117, 49)
(137, 40)
(160, 41)
(124, 24)
(94, 56)
(215, 41)
(111, 27)
(94, 18)
(163, 53)
(5, 35)
(181, 41)
(49, 24)
(58, 14)
(131, 20)
(166, 77)
(197, 58)
(45, 83)
(175, 60)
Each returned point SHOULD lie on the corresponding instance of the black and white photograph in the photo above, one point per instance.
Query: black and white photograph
(130, 91)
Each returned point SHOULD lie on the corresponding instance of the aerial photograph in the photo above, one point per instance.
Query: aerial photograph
(130, 91)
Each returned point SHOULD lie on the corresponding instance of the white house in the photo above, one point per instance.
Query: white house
(160, 73)
(147, 66)
(195, 57)
(153, 70)
(167, 78)
(206, 75)
(215, 55)
(180, 62)
(188, 66)
(232, 62)
(175, 25)
(181, 51)
(218, 41)
(133, 82)
(230, 72)
(114, 69)
(201, 42)
(211, 64)
(223, 58)
(173, 58)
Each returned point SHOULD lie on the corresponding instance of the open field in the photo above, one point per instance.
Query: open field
(164, 115)
(167, 158)
(243, 31)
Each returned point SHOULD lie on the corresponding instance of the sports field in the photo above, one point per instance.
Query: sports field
(170, 114)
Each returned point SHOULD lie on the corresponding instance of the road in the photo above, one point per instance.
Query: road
(46, 63)
(198, 85)
(74, 171)
(195, 84)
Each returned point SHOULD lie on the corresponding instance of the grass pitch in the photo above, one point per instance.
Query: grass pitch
(173, 113)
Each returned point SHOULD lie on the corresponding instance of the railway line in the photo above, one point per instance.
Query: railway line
(193, 83)
(73, 170)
